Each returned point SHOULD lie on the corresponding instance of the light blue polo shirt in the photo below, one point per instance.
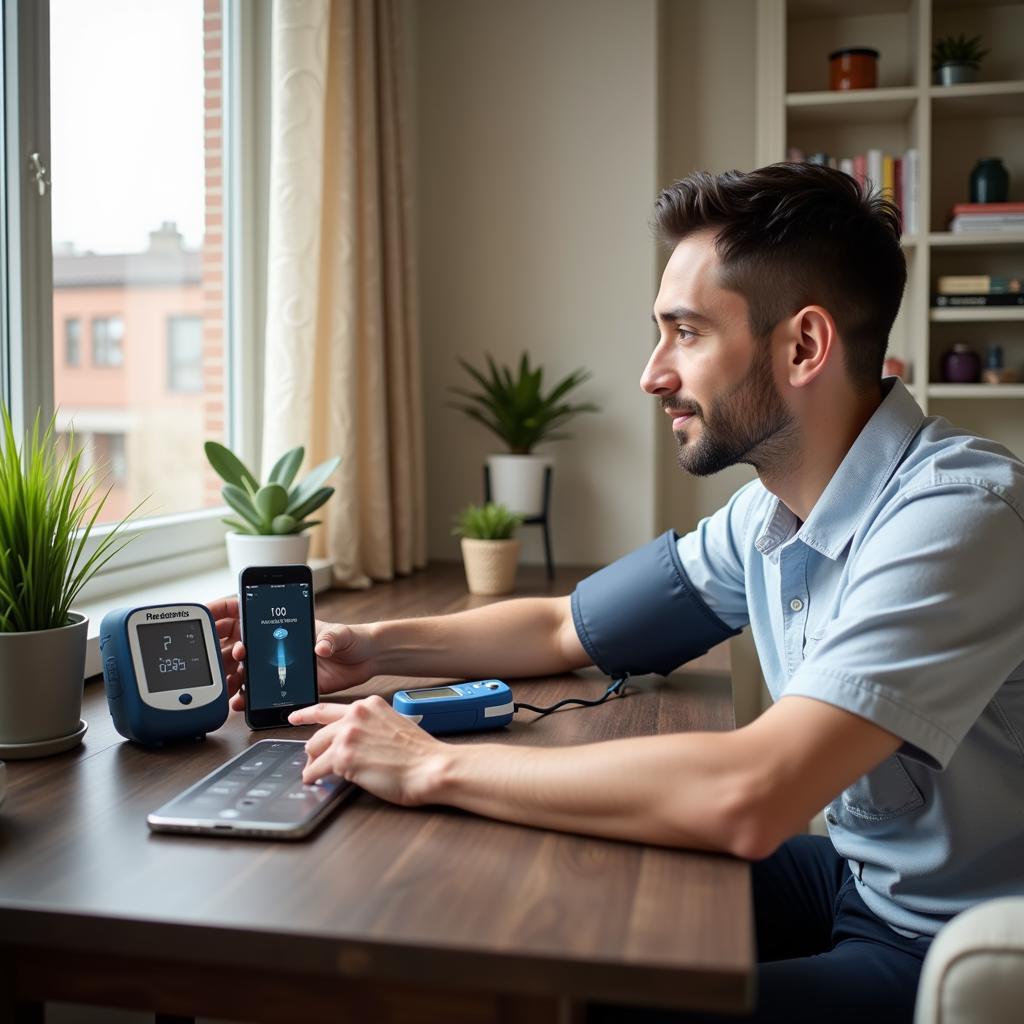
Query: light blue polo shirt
(900, 599)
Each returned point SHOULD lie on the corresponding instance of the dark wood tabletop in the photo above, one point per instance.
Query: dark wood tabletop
(384, 913)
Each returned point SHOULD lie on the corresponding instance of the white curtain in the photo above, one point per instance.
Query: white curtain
(342, 352)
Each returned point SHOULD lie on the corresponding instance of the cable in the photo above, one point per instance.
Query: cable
(617, 689)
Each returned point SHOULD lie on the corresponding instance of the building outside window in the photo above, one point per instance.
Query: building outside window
(73, 341)
(185, 353)
(107, 341)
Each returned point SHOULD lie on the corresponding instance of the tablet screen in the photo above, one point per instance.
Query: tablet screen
(258, 793)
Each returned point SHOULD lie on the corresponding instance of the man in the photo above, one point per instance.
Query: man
(876, 560)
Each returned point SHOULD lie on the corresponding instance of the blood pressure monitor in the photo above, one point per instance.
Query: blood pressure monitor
(162, 672)
(461, 707)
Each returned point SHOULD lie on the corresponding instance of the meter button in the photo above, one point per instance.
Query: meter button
(492, 686)
(185, 698)
(113, 679)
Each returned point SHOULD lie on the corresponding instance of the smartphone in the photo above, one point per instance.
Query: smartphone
(278, 630)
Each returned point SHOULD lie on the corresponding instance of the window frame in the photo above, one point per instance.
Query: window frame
(168, 546)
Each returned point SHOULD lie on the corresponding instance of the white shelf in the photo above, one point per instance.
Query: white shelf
(978, 99)
(976, 240)
(852, 105)
(983, 391)
(976, 314)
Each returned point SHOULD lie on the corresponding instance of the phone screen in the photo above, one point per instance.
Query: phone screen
(279, 659)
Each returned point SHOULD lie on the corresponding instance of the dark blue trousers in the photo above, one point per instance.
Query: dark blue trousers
(822, 955)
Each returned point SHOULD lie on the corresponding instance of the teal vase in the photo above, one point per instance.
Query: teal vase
(990, 182)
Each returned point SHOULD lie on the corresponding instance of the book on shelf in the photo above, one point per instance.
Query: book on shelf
(980, 300)
(996, 217)
(977, 284)
(894, 176)
(1011, 223)
(987, 208)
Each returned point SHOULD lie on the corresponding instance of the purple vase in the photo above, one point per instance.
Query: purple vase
(961, 365)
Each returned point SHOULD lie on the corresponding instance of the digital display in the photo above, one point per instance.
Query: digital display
(174, 655)
(440, 691)
(279, 645)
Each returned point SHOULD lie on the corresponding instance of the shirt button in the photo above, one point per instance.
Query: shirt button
(796, 604)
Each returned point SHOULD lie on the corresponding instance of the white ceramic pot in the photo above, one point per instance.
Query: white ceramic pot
(245, 549)
(41, 676)
(517, 482)
(490, 565)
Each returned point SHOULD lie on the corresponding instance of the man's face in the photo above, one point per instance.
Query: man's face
(710, 374)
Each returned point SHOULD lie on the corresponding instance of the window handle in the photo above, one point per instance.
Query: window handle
(39, 173)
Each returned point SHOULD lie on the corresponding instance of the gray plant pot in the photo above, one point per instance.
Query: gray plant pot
(955, 74)
(41, 677)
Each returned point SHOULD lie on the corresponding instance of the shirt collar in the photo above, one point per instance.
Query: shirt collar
(867, 467)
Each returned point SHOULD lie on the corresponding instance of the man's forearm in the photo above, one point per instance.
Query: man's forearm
(688, 789)
(524, 637)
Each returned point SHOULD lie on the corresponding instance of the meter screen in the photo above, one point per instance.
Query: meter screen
(174, 655)
(440, 691)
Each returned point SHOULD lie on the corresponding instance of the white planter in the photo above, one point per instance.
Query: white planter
(245, 549)
(490, 565)
(517, 482)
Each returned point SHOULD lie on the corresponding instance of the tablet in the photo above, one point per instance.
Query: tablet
(257, 793)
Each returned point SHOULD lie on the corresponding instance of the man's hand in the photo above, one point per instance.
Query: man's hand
(372, 745)
(344, 654)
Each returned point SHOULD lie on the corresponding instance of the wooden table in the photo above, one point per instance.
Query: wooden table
(385, 914)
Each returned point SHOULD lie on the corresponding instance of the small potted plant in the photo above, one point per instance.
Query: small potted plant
(271, 517)
(490, 550)
(516, 409)
(957, 59)
(49, 506)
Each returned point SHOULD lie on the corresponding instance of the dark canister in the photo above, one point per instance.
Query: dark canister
(990, 182)
(961, 365)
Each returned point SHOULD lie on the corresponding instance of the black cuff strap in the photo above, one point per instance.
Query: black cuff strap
(642, 614)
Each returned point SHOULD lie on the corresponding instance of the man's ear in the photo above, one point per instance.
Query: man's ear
(813, 342)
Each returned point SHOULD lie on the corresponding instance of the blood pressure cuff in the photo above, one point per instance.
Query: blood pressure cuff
(642, 614)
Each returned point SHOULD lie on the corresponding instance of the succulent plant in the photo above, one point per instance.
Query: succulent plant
(487, 522)
(275, 507)
(958, 50)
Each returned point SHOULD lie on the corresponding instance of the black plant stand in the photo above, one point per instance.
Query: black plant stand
(543, 520)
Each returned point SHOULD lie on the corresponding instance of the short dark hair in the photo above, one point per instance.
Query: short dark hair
(791, 234)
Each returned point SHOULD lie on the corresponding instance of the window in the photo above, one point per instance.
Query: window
(107, 335)
(73, 341)
(185, 353)
(131, 130)
(139, 240)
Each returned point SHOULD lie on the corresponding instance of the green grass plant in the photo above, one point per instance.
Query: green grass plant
(487, 522)
(48, 509)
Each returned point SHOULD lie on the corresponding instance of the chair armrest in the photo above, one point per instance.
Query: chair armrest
(974, 970)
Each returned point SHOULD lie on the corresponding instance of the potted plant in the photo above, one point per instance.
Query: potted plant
(490, 551)
(47, 554)
(516, 408)
(957, 59)
(271, 517)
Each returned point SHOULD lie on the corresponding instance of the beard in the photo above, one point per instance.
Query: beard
(749, 424)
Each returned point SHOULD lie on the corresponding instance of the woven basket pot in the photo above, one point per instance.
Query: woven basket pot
(490, 565)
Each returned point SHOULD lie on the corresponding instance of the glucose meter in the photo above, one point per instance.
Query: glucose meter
(162, 672)
(461, 707)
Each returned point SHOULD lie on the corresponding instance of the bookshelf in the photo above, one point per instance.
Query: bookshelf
(951, 127)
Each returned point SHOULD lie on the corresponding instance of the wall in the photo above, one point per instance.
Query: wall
(537, 165)
(707, 67)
